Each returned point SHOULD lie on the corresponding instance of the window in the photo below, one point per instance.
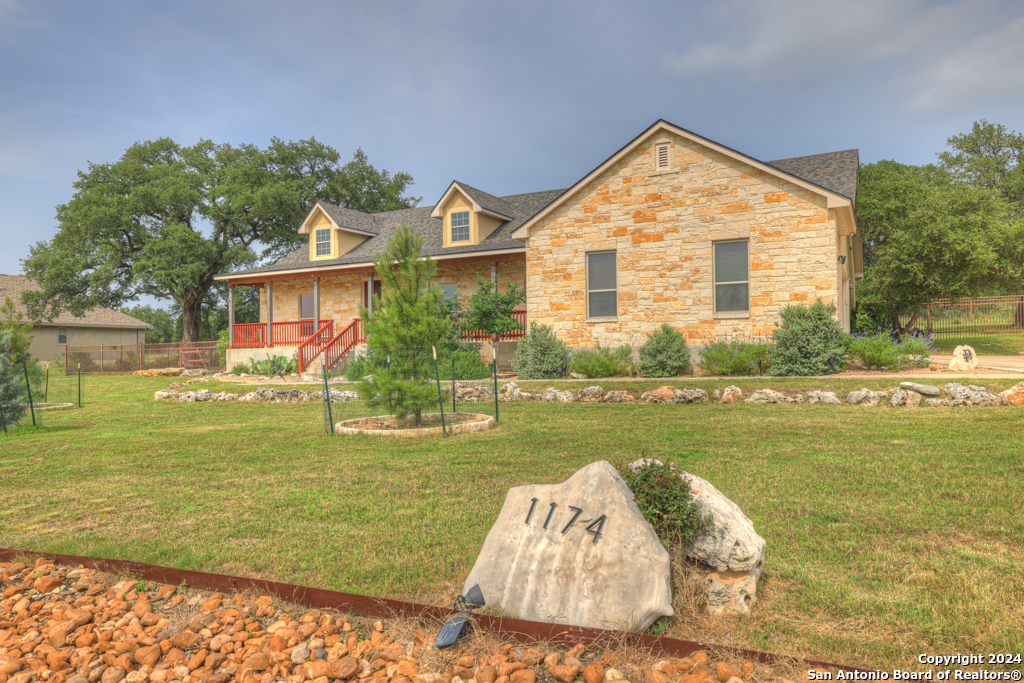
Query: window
(661, 157)
(602, 297)
(323, 242)
(62, 335)
(306, 309)
(451, 292)
(732, 292)
(460, 226)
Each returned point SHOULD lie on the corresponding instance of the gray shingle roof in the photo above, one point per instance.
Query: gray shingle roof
(13, 286)
(836, 171)
(520, 206)
(350, 218)
(487, 201)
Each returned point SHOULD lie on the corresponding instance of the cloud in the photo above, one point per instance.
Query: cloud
(928, 56)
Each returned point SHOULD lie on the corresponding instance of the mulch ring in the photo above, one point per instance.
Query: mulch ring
(75, 625)
(390, 422)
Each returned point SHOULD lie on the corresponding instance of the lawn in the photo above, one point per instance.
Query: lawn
(985, 345)
(891, 532)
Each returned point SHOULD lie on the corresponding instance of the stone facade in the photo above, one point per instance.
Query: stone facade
(341, 295)
(662, 226)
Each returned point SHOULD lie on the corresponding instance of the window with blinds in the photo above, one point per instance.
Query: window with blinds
(602, 295)
(460, 226)
(323, 242)
(732, 285)
(661, 157)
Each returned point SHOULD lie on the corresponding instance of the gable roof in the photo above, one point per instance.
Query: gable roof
(14, 285)
(834, 199)
(487, 203)
(836, 171)
(520, 207)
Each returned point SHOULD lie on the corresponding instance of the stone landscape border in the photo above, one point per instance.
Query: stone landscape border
(482, 422)
(520, 630)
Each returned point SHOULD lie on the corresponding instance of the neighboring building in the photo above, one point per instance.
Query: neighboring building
(95, 327)
(672, 228)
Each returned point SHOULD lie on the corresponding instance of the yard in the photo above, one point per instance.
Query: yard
(891, 532)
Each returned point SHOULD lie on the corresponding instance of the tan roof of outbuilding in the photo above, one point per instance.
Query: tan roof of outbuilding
(14, 285)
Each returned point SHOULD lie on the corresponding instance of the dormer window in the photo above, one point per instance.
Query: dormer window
(323, 242)
(460, 226)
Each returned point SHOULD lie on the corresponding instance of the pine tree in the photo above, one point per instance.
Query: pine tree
(404, 327)
(12, 404)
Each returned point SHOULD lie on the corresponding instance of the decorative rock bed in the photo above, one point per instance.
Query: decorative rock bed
(263, 394)
(478, 423)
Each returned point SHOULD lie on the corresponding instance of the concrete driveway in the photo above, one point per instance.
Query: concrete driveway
(1005, 363)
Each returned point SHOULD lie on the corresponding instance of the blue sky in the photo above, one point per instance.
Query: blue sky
(507, 96)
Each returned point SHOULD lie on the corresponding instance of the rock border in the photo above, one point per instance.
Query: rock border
(483, 423)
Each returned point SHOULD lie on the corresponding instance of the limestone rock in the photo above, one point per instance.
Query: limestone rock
(732, 394)
(902, 397)
(865, 397)
(554, 395)
(828, 397)
(531, 572)
(970, 395)
(617, 397)
(730, 591)
(1014, 396)
(577, 375)
(923, 389)
(590, 394)
(165, 395)
(669, 394)
(771, 396)
(964, 359)
(937, 402)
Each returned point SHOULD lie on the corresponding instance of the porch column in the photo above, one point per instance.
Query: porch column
(316, 304)
(270, 314)
(231, 316)
(369, 293)
(494, 274)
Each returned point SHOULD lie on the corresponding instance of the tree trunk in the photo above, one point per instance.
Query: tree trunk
(1018, 317)
(189, 320)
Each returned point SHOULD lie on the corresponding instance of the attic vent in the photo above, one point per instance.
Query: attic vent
(661, 153)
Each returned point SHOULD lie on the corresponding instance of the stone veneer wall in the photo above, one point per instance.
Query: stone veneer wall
(341, 295)
(662, 227)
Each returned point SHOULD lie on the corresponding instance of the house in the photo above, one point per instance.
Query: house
(97, 326)
(672, 228)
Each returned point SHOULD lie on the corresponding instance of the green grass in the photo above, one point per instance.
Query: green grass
(985, 345)
(891, 532)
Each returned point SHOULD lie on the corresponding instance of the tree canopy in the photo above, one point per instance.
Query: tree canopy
(165, 219)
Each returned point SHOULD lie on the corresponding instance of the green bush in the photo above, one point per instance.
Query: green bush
(239, 369)
(665, 353)
(540, 354)
(665, 500)
(888, 349)
(810, 341)
(275, 365)
(468, 365)
(735, 357)
(602, 361)
(12, 393)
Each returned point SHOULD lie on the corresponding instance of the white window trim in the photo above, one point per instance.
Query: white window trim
(588, 290)
(329, 242)
(714, 284)
(65, 335)
(468, 226)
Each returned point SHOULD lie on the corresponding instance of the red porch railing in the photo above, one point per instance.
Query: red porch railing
(311, 348)
(971, 316)
(480, 335)
(290, 333)
(342, 343)
(249, 336)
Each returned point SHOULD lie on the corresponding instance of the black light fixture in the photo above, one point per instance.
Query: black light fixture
(453, 626)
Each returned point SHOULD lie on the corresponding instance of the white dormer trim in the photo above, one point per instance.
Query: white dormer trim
(305, 228)
(436, 213)
(832, 199)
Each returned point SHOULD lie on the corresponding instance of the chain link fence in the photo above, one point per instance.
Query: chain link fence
(412, 388)
(38, 389)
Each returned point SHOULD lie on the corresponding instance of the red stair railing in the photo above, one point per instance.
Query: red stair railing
(342, 343)
(311, 348)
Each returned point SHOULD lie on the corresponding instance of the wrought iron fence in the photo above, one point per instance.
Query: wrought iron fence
(971, 316)
(125, 358)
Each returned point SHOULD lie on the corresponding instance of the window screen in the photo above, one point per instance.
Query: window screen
(732, 291)
(323, 242)
(460, 226)
(602, 298)
(450, 291)
(306, 306)
(62, 335)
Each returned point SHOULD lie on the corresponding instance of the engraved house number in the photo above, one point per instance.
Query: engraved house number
(594, 527)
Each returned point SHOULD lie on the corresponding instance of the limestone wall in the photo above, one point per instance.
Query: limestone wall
(662, 226)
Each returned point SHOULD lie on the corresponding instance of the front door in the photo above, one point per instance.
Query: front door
(376, 293)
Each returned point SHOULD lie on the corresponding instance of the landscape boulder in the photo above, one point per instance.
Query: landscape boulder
(590, 394)
(617, 397)
(964, 359)
(579, 553)
(828, 397)
(970, 395)
(729, 550)
(669, 394)
(771, 396)
(865, 397)
(923, 389)
(732, 394)
(160, 372)
(555, 396)
(1014, 396)
(903, 397)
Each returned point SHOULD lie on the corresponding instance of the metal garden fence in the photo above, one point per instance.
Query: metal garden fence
(412, 388)
(971, 316)
(38, 390)
(125, 358)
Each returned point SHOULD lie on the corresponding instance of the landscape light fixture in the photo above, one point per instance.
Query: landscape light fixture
(750, 366)
(453, 626)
